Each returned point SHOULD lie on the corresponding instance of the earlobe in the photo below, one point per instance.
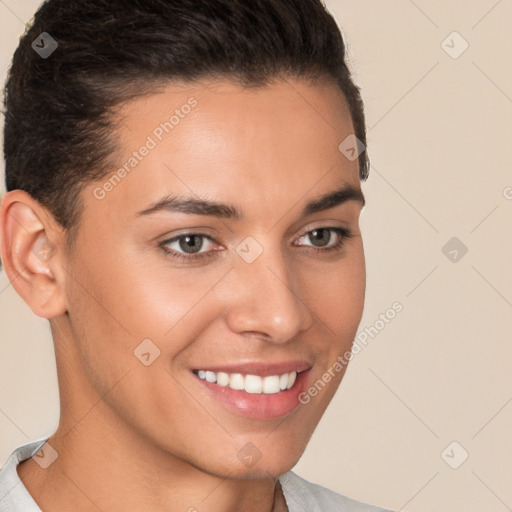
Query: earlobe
(30, 242)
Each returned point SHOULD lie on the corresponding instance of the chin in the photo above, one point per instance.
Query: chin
(261, 471)
(250, 464)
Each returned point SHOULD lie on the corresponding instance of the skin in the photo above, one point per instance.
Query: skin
(267, 151)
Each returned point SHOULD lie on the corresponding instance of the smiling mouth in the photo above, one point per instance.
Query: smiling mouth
(252, 384)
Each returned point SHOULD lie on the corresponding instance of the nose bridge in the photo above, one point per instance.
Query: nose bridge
(265, 299)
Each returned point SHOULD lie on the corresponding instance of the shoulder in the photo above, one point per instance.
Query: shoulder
(304, 496)
(14, 496)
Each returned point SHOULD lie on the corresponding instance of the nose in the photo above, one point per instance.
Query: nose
(265, 299)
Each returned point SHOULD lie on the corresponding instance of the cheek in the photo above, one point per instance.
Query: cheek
(138, 296)
(117, 301)
(337, 294)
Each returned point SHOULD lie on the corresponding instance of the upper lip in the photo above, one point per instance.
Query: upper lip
(260, 368)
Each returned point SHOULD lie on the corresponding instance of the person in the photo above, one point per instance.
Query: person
(183, 198)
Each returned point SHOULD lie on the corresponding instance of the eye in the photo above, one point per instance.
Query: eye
(187, 246)
(322, 238)
(192, 246)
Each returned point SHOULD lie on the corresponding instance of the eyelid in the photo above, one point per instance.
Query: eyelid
(323, 224)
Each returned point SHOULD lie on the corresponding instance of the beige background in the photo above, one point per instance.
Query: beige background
(440, 143)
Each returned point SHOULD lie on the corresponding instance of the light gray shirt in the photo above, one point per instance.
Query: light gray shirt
(300, 495)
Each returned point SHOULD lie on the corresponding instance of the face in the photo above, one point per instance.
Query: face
(210, 285)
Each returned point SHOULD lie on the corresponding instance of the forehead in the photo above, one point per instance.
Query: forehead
(223, 112)
(263, 145)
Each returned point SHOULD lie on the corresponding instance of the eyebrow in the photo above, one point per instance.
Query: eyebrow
(193, 206)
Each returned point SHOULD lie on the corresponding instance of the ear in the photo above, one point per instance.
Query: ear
(32, 249)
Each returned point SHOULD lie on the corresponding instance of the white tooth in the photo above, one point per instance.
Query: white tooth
(222, 379)
(211, 377)
(271, 384)
(291, 379)
(236, 381)
(253, 384)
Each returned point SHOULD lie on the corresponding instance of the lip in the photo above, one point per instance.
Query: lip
(262, 369)
(258, 406)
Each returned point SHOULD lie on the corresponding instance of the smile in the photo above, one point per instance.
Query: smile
(256, 389)
(253, 384)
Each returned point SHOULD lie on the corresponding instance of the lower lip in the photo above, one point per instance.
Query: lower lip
(259, 405)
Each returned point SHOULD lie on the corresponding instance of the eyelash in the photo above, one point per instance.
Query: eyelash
(342, 233)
